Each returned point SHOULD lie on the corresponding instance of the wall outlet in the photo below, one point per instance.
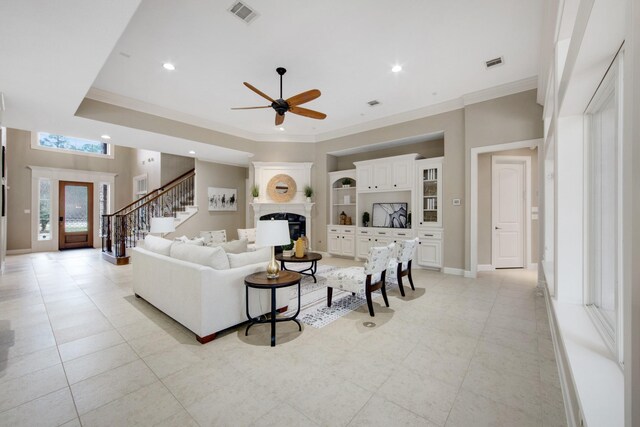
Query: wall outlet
(456, 202)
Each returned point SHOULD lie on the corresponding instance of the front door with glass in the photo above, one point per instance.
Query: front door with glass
(76, 214)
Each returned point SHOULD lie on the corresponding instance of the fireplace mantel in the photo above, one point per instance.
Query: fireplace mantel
(266, 208)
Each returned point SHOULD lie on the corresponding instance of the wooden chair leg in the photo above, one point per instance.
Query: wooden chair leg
(384, 293)
(399, 276)
(329, 295)
(369, 302)
(409, 275)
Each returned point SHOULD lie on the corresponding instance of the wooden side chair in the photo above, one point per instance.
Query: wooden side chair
(371, 277)
(400, 266)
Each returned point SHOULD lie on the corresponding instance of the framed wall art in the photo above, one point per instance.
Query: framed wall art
(222, 199)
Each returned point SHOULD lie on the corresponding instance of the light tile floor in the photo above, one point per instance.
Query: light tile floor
(77, 348)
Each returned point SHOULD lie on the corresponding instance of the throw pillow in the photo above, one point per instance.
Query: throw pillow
(157, 244)
(247, 258)
(210, 257)
(247, 233)
(232, 247)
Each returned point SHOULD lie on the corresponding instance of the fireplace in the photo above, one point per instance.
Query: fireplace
(297, 223)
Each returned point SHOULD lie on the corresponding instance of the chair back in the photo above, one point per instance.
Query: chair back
(215, 236)
(247, 233)
(406, 249)
(378, 259)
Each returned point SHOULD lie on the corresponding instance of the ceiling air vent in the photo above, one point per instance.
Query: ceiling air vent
(243, 11)
(494, 62)
(373, 103)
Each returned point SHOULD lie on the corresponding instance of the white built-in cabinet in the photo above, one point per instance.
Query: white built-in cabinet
(392, 179)
(428, 214)
(392, 173)
(342, 198)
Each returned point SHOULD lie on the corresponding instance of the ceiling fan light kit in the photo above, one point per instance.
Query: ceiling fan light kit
(281, 106)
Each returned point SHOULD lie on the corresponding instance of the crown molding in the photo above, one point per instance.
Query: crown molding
(500, 90)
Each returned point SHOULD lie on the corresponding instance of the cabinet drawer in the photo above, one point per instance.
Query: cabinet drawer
(403, 235)
(435, 235)
(365, 232)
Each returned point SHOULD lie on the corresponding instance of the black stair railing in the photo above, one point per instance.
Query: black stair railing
(123, 228)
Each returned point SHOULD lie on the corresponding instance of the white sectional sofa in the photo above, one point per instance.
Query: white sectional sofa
(200, 287)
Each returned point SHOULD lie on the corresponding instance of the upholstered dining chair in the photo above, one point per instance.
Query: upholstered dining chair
(215, 236)
(250, 235)
(400, 264)
(371, 277)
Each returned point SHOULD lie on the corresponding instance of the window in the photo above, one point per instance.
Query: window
(49, 141)
(44, 209)
(603, 203)
(140, 183)
(104, 196)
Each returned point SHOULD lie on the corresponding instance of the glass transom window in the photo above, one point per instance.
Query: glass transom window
(50, 141)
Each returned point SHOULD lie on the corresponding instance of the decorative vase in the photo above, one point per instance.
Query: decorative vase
(299, 248)
(287, 253)
(308, 199)
(256, 200)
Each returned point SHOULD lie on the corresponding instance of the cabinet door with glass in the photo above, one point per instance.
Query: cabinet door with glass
(429, 213)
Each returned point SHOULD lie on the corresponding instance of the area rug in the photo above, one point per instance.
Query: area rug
(313, 305)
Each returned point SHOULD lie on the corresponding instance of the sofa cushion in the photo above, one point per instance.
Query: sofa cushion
(210, 257)
(232, 247)
(247, 258)
(198, 241)
(157, 244)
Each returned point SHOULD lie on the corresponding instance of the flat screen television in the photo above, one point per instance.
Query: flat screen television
(390, 215)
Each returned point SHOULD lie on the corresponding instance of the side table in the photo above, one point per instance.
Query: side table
(260, 281)
(310, 257)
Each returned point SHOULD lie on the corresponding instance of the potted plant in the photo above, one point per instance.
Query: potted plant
(346, 182)
(365, 219)
(308, 192)
(287, 250)
(255, 192)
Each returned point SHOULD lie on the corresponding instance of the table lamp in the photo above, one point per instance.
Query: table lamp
(162, 225)
(272, 233)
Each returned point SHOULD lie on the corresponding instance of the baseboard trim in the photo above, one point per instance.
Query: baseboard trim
(485, 267)
(453, 271)
(569, 394)
(18, 251)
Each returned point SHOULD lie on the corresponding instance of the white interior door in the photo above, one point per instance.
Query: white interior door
(508, 199)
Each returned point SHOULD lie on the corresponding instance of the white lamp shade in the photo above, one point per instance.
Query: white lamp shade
(162, 225)
(272, 233)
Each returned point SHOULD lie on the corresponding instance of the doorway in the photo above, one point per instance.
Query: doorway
(75, 215)
(508, 207)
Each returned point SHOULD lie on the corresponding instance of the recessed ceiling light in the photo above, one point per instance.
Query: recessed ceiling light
(105, 136)
(192, 152)
(396, 68)
(168, 66)
(281, 128)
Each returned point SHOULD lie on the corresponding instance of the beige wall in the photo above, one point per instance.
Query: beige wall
(20, 155)
(484, 202)
(426, 149)
(145, 162)
(172, 166)
(216, 175)
(511, 118)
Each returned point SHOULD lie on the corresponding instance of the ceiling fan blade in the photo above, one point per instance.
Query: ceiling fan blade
(307, 113)
(265, 96)
(303, 97)
(249, 108)
(279, 119)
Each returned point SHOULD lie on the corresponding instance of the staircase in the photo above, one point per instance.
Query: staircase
(123, 228)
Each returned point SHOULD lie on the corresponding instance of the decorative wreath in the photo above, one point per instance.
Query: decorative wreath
(280, 182)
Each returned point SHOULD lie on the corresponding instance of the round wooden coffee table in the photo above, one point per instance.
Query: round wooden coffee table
(260, 281)
(310, 257)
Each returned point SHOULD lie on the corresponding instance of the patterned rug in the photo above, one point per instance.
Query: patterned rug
(313, 310)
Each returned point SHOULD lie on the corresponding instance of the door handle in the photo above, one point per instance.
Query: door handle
(498, 228)
(61, 219)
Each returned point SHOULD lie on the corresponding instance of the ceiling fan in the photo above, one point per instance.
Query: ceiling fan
(290, 104)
